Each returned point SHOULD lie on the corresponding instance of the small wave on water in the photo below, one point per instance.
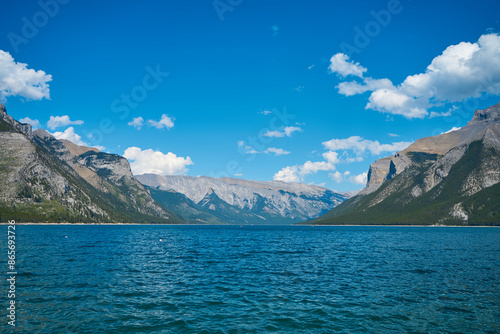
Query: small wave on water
(267, 279)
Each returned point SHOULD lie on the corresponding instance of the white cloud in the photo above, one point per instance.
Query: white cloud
(331, 157)
(286, 131)
(351, 160)
(359, 179)
(69, 134)
(439, 114)
(35, 124)
(276, 151)
(265, 112)
(149, 161)
(17, 80)
(314, 167)
(395, 102)
(136, 122)
(349, 88)
(443, 114)
(360, 145)
(61, 121)
(297, 173)
(393, 134)
(287, 174)
(336, 176)
(165, 122)
(452, 129)
(99, 147)
(339, 64)
(339, 177)
(247, 149)
(462, 71)
(311, 67)
(72, 136)
(299, 89)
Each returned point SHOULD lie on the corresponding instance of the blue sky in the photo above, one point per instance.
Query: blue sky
(292, 90)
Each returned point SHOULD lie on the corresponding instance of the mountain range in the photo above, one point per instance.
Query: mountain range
(449, 179)
(43, 179)
(227, 200)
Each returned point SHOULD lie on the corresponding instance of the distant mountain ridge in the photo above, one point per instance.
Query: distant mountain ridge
(237, 200)
(452, 178)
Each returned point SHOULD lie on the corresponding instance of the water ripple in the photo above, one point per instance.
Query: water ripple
(224, 279)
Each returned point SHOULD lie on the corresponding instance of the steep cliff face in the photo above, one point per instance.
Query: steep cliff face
(14, 125)
(453, 178)
(42, 180)
(250, 201)
(380, 171)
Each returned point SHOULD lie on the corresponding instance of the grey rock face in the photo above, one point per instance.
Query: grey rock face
(19, 127)
(484, 124)
(291, 200)
(41, 176)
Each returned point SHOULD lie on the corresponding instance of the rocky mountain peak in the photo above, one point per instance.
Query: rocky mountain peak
(19, 127)
(488, 115)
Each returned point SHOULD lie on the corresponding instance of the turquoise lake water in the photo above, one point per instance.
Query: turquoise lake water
(254, 279)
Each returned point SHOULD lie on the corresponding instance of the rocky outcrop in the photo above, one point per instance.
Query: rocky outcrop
(16, 126)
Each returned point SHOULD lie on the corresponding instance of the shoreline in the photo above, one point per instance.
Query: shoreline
(148, 224)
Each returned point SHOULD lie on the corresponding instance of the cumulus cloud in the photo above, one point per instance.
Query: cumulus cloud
(286, 131)
(359, 179)
(338, 176)
(72, 136)
(275, 151)
(287, 174)
(35, 124)
(100, 147)
(61, 121)
(443, 114)
(462, 71)
(136, 122)
(298, 173)
(349, 88)
(165, 122)
(17, 80)
(247, 149)
(69, 134)
(340, 64)
(331, 157)
(357, 144)
(360, 145)
(150, 161)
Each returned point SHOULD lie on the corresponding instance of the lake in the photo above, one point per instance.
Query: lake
(254, 279)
